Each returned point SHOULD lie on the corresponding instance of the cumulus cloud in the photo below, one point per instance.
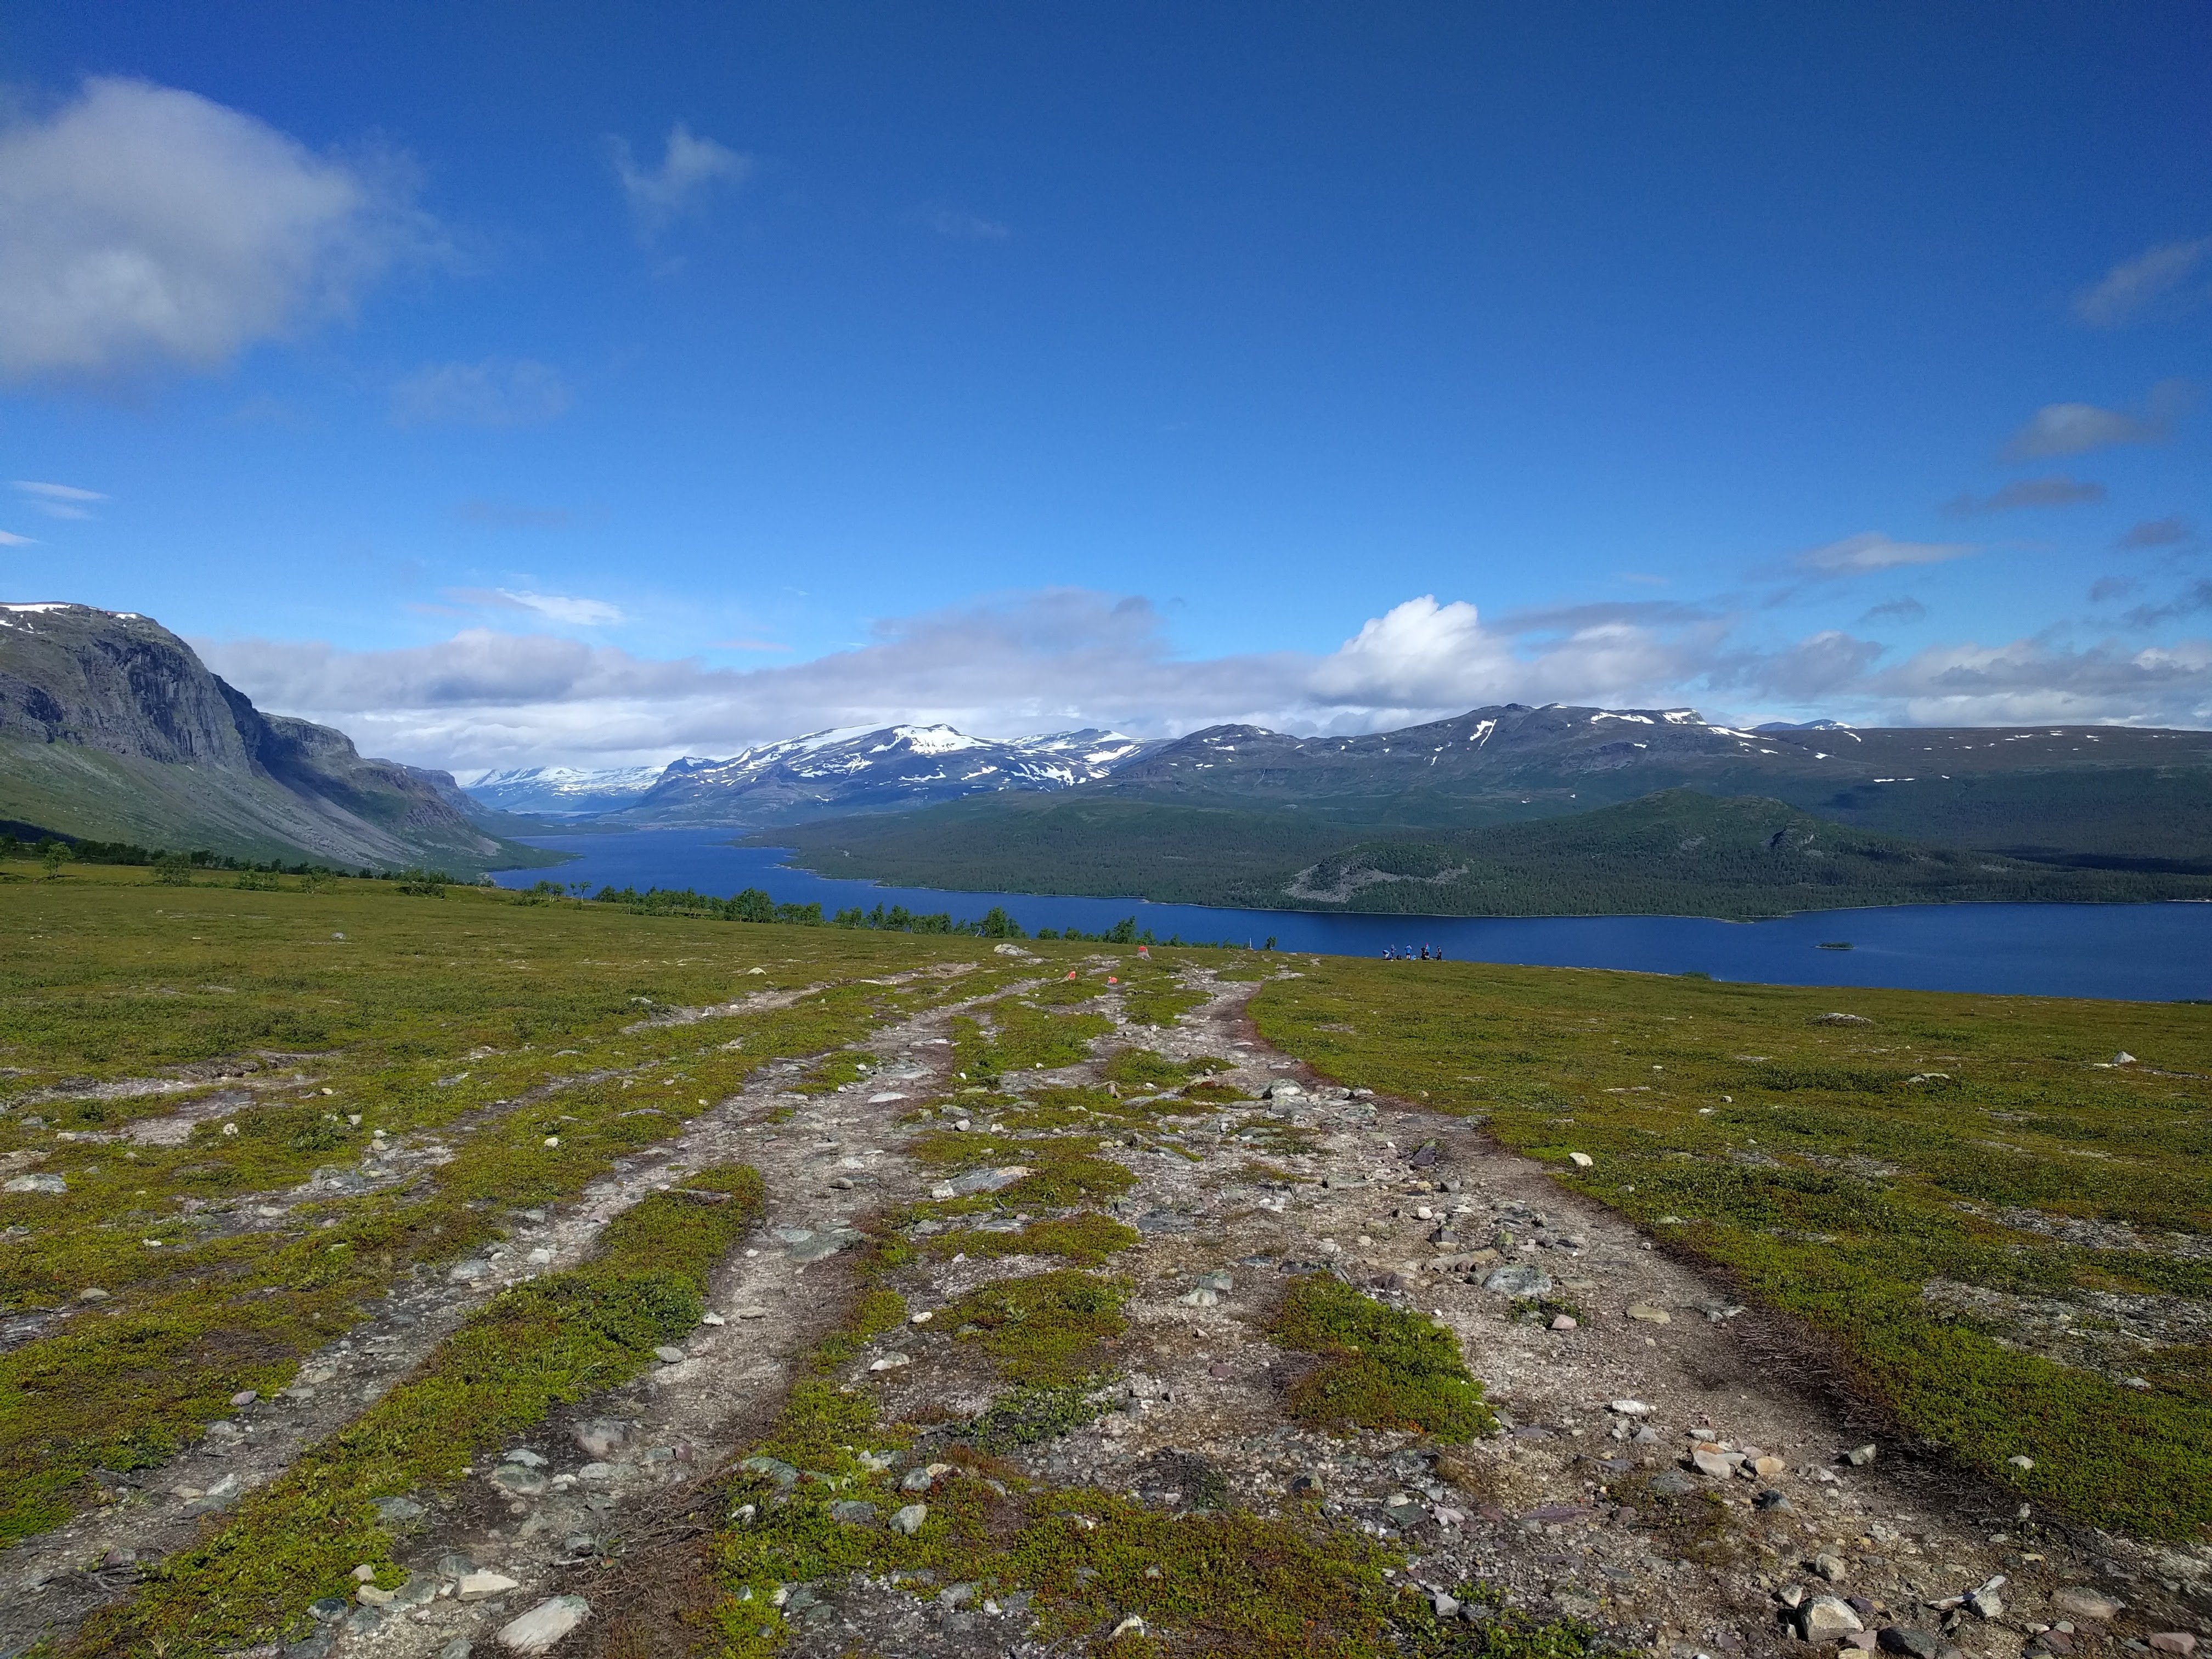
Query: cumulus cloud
(59, 500)
(2130, 288)
(2057, 490)
(690, 167)
(2036, 680)
(1870, 550)
(1066, 658)
(2077, 428)
(495, 393)
(2157, 532)
(148, 226)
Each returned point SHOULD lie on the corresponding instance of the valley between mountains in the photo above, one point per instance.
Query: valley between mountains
(400, 1276)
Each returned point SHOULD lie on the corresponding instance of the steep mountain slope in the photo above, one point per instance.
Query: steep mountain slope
(859, 769)
(110, 727)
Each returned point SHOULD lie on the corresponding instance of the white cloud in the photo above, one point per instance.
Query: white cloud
(9, 539)
(149, 227)
(2077, 428)
(689, 167)
(59, 500)
(554, 607)
(1870, 550)
(2129, 287)
(498, 391)
(1066, 658)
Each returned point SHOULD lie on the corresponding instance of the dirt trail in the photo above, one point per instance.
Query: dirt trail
(1575, 1508)
(49, 1584)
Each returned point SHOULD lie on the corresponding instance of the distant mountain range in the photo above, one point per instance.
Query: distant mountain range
(1234, 814)
(849, 769)
(113, 729)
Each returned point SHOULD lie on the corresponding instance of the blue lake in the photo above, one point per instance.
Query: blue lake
(2147, 953)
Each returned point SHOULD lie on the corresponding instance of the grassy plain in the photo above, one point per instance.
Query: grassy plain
(1932, 1190)
(381, 1032)
(2006, 1236)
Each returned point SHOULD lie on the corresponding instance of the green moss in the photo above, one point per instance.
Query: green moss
(1817, 1176)
(1086, 1239)
(1141, 1068)
(1381, 1368)
(547, 1342)
(1026, 1414)
(1047, 1327)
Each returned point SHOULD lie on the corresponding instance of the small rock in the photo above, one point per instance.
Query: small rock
(1770, 1499)
(537, 1630)
(1828, 1619)
(1218, 1280)
(1673, 1483)
(1199, 1299)
(1770, 1467)
(1518, 1280)
(485, 1586)
(327, 1609)
(908, 1519)
(245, 1397)
(599, 1436)
(1132, 1625)
(364, 1574)
(1581, 1160)
(1711, 1460)
(854, 1512)
(2019, 1461)
(1650, 1314)
(457, 1649)
(523, 1455)
(1986, 1603)
(1830, 1567)
(2173, 1641)
(1839, 1019)
(2124, 1058)
(712, 1319)
(774, 1467)
(890, 1362)
(369, 1596)
(670, 1356)
(398, 1511)
(522, 1482)
(35, 1183)
(1628, 1407)
(1859, 1457)
(1909, 1639)
(2085, 1603)
(1563, 1322)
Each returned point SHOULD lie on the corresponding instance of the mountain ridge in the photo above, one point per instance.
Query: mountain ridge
(113, 729)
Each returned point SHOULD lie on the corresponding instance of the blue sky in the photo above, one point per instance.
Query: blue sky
(510, 383)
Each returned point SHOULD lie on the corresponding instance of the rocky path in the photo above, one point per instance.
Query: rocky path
(1659, 1473)
(47, 1586)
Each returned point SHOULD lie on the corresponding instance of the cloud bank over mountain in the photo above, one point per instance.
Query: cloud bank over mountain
(1063, 658)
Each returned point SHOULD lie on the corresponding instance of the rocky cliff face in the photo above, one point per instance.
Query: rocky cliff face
(110, 726)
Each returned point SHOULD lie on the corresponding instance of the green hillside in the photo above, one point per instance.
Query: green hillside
(1675, 852)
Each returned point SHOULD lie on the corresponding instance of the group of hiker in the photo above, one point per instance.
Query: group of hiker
(1405, 953)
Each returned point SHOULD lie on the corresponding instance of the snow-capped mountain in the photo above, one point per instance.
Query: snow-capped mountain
(563, 791)
(872, 769)
(853, 768)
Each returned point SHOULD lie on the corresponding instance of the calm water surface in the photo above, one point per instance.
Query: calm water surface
(2150, 953)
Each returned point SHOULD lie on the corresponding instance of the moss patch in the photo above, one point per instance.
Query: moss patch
(1381, 1368)
(546, 1343)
